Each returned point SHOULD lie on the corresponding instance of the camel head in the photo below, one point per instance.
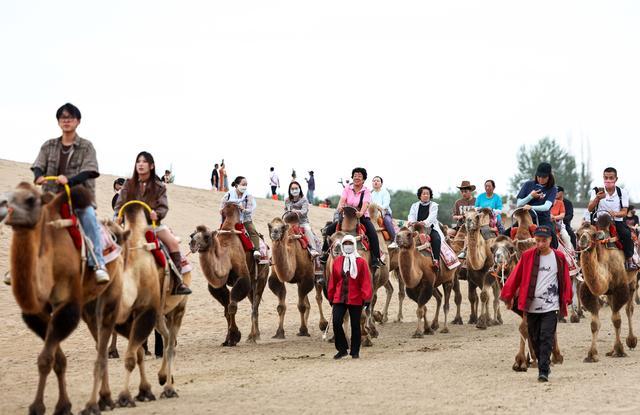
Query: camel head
(405, 238)
(503, 250)
(472, 220)
(4, 205)
(24, 205)
(277, 229)
(587, 235)
(201, 239)
(523, 217)
(118, 231)
(231, 211)
(335, 242)
(374, 212)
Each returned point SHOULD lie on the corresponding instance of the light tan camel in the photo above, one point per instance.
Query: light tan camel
(524, 232)
(49, 286)
(604, 274)
(479, 262)
(291, 264)
(225, 262)
(381, 277)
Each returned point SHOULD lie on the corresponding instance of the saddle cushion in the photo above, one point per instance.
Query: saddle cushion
(74, 230)
(385, 234)
(151, 237)
(244, 237)
(297, 230)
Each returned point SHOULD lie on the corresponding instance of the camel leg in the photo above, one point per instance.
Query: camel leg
(497, 317)
(113, 347)
(521, 364)
(420, 313)
(473, 300)
(617, 300)
(371, 319)
(280, 290)
(401, 295)
(323, 321)
(592, 304)
(427, 328)
(438, 296)
(388, 287)
(139, 329)
(483, 320)
(239, 292)
(365, 335)
(256, 298)
(458, 300)
(632, 340)
(222, 296)
(144, 392)
(447, 296)
(556, 355)
(174, 321)
(53, 329)
(304, 287)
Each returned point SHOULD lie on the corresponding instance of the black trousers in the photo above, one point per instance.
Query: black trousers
(572, 236)
(273, 190)
(435, 244)
(542, 332)
(355, 311)
(374, 244)
(624, 233)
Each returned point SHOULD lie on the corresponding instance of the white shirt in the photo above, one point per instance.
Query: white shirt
(274, 180)
(611, 202)
(431, 220)
(382, 198)
(245, 200)
(547, 297)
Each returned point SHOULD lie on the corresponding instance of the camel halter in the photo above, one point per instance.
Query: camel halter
(141, 203)
(67, 189)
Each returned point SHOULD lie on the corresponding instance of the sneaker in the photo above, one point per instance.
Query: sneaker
(102, 277)
(355, 356)
(313, 253)
(7, 278)
(630, 265)
(340, 355)
(393, 245)
(256, 255)
(182, 289)
(462, 255)
(543, 378)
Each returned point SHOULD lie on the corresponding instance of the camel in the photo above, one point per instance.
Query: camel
(604, 274)
(524, 232)
(292, 264)
(51, 286)
(225, 263)
(381, 277)
(420, 279)
(479, 261)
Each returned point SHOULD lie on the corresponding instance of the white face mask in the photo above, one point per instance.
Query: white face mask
(242, 189)
(295, 192)
(348, 249)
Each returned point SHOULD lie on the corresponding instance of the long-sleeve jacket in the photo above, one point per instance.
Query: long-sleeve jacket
(300, 206)
(158, 201)
(431, 220)
(382, 198)
(247, 201)
(342, 289)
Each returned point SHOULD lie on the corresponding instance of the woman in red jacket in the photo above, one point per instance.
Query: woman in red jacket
(349, 289)
(543, 288)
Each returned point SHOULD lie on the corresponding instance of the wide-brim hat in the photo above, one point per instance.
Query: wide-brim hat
(466, 184)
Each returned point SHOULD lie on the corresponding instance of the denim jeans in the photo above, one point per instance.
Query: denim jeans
(90, 226)
(388, 224)
(310, 196)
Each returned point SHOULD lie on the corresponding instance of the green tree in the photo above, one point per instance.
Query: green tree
(562, 162)
(401, 201)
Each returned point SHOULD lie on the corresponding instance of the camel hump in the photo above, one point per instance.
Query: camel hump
(81, 197)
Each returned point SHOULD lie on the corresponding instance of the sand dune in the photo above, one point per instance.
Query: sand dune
(466, 371)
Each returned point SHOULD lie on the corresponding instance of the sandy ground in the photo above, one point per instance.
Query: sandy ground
(466, 371)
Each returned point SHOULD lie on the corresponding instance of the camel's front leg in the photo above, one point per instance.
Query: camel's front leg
(497, 317)
(113, 347)
(323, 321)
(522, 363)
(473, 300)
(556, 355)
(420, 313)
(239, 292)
(304, 288)
(255, 295)
(280, 290)
(458, 300)
(174, 321)
(401, 295)
(447, 296)
(435, 325)
(388, 287)
(483, 320)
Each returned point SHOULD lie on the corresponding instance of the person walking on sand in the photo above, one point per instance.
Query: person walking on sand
(215, 179)
(274, 183)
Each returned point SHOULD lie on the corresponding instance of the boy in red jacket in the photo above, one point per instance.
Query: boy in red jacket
(349, 288)
(541, 284)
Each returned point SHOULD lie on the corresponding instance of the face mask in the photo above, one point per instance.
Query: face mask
(295, 192)
(242, 189)
(348, 249)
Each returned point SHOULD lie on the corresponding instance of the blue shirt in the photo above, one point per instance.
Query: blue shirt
(493, 203)
(544, 216)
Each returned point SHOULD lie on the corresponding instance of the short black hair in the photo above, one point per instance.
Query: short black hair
(69, 108)
(360, 170)
(271, 169)
(492, 183)
(237, 181)
(421, 188)
(378, 177)
(117, 181)
(560, 189)
(611, 170)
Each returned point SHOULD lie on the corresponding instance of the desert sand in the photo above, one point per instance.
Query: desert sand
(465, 371)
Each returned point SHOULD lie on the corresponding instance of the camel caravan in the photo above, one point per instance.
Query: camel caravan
(127, 276)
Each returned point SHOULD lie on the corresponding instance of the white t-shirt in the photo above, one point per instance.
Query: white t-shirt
(611, 202)
(274, 180)
(547, 297)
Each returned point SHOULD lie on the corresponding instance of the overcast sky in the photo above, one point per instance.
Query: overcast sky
(418, 92)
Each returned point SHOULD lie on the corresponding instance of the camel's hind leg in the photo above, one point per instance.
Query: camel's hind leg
(173, 323)
(255, 296)
(401, 295)
(222, 296)
(483, 320)
(304, 307)
(239, 292)
(139, 329)
(592, 304)
(556, 356)
(447, 296)
(522, 363)
(53, 330)
(113, 347)
(365, 335)
(473, 300)
(497, 317)
(371, 319)
(435, 325)
(632, 340)
(458, 300)
(323, 321)
(620, 296)
(388, 287)
(280, 290)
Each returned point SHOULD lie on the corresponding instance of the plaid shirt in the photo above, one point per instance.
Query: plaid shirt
(82, 159)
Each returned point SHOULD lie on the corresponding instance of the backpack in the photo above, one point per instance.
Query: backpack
(593, 214)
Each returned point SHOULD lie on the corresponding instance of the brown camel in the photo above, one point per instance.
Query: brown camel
(51, 285)
(604, 274)
(479, 262)
(420, 279)
(524, 236)
(225, 262)
(292, 264)
(381, 277)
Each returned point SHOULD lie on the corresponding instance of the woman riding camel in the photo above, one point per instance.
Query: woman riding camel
(247, 204)
(297, 203)
(146, 186)
(358, 196)
(382, 198)
(425, 210)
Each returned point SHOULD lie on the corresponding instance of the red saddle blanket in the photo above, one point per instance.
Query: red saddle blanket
(244, 237)
(74, 230)
(614, 234)
(151, 237)
(298, 230)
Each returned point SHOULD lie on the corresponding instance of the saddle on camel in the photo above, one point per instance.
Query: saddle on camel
(262, 256)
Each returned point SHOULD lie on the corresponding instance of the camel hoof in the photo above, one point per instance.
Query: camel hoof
(481, 325)
(162, 379)
(366, 342)
(169, 393)
(632, 342)
(435, 326)
(385, 319)
(457, 321)
(520, 365)
(562, 320)
(617, 353)
(429, 331)
(557, 359)
(575, 318)
(373, 333)
(494, 323)
(251, 340)
(473, 320)
(398, 320)
(591, 359)
(36, 409)
(63, 409)
(417, 335)
(304, 332)
(445, 330)
(323, 325)
(147, 353)
(106, 403)
(125, 400)
(279, 334)
(113, 354)
(145, 395)
(91, 410)
(378, 317)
